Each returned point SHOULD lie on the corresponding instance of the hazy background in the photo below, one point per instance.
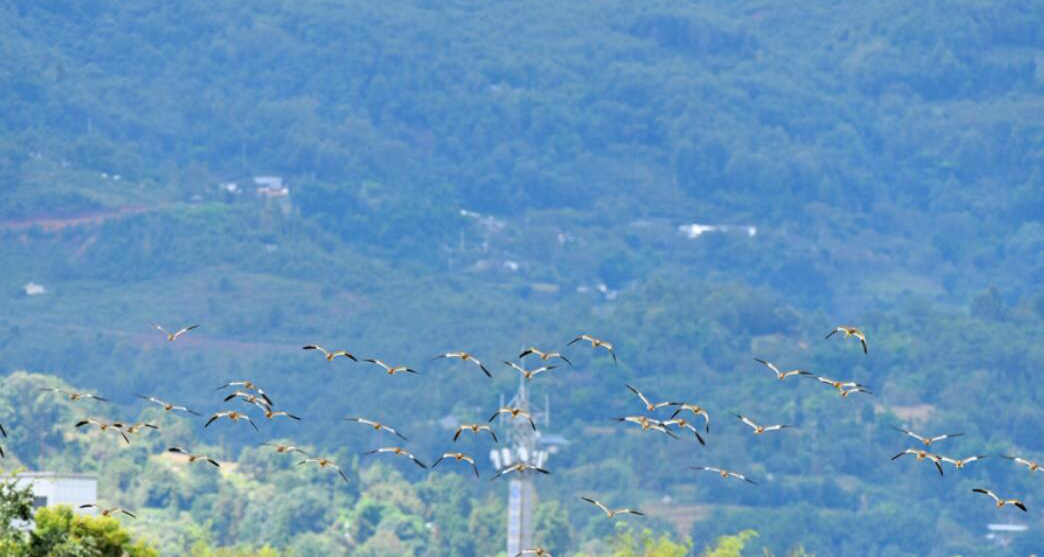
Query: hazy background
(487, 175)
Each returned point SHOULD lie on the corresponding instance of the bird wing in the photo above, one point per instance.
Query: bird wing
(770, 365)
(945, 436)
(315, 347)
(747, 421)
(905, 452)
(777, 427)
(597, 504)
(185, 330)
(159, 327)
(987, 492)
(837, 330)
(1018, 504)
(742, 477)
(640, 395)
(910, 433)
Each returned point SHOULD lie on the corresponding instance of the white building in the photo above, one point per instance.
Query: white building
(55, 488)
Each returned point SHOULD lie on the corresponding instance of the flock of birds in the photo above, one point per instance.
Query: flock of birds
(255, 397)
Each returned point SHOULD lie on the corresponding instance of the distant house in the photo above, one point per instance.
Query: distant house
(56, 488)
(271, 186)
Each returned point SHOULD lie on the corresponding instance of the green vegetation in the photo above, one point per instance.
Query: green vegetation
(467, 175)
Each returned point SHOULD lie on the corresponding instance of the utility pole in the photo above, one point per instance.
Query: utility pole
(521, 491)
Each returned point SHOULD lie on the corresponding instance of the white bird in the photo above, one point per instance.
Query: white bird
(166, 405)
(391, 370)
(103, 426)
(595, 343)
(695, 409)
(529, 373)
(397, 451)
(325, 463)
(684, 424)
(1033, 466)
(74, 396)
(330, 355)
(960, 462)
(611, 512)
(921, 455)
(194, 457)
(458, 457)
(1001, 502)
(544, 356)
(851, 332)
(781, 375)
(519, 468)
(475, 428)
(724, 473)
(514, 413)
(647, 423)
(465, 357)
(927, 440)
(649, 406)
(377, 426)
(284, 448)
(759, 429)
(248, 385)
(107, 512)
(232, 415)
(172, 336)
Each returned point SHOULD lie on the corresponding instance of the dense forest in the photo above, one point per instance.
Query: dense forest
(487, 176)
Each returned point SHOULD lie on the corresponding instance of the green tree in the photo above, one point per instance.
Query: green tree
(59, 533)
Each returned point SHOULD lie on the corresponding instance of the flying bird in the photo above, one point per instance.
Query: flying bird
(465, 357)
(1001, 502)
(647, 423)
(268, 413)
(514, 412)
(458, 457)
(397, 451)
(544, 356)
(611, 512)
(650, 406)
(841, 386)
(248, 385)
(684, 424)
(529, 373)
(325, 463)
(851, 332)
(284, 448)
(172, 336)
(249, 398)
(330, 355)
(724, 473)
(960, 462)
(75, 396)
(759, 429)
(391, 370)
(232, 415)
(1033, 466)
(104, 426)
(695, 409)
(921, 455)
(595, 343)
(166, 405)
(781, 375)
(108, 512)
(927, 440)
(133, 428)
(845, 392)
(377, 426)
(519, 468)
(194, 457)
(474, 428)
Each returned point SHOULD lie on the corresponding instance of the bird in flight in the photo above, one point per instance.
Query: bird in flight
(781, 375)
(391, 370)
(133, 428)
(475, 428)
(519, 468)
(1033, 466)
(724, 473)
(842, 386)
(166, 405)
(959, 463)
(544, 356)
(851, 332)
(684, 424)
(695, 409)
(529, 373)
(232, 415)
(249, 398)
(330, 355)
(248, 385)
(107, 512)
(74, 396)
(104, 426)
(927, 440)
(650, 406)
(267, 412)
(921, 455)
(515, 413)
(325, 463)
(173, 336)
(595, 343)
(845, 392)
(1001, 502)
(611, 512)
(458, 457)
(284, 448)
(647, 423)
(397, 451)
(377, 426)
(194, 457)
(465, 357)
(759, 429)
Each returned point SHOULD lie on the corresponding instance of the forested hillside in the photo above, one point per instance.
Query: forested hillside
(488, 176)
